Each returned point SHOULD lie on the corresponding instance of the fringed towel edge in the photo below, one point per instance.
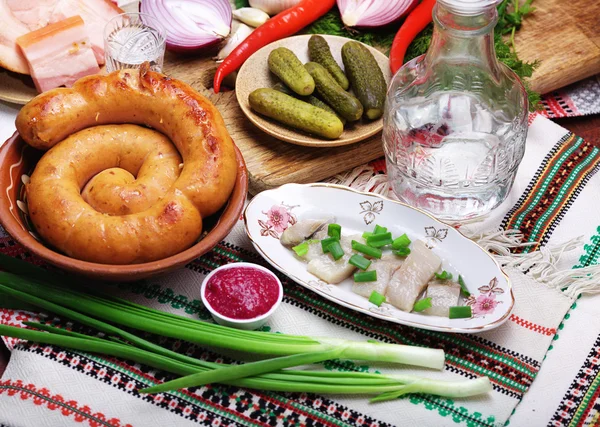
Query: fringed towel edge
(541, 265)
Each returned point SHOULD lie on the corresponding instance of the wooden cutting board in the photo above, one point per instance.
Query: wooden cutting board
(563, 35)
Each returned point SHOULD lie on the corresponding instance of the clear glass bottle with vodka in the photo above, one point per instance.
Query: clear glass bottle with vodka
(456, 118)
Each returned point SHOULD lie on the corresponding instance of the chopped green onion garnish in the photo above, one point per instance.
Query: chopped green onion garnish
(376, 298)
(422, 305)
(460, 312)
(359, 261)
(463, 287)
(301, 249)
(444, 275)
(401, 242)
(365, 276)
(326, 242)
(379, 240)
(367, 250)
(402, 252)
(366, 234)
(336, 250)
(334, 230)
(379, 229)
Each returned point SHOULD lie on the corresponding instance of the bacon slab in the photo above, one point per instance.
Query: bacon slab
(59, 54)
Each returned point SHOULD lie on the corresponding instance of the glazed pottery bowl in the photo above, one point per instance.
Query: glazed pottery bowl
(17, 162)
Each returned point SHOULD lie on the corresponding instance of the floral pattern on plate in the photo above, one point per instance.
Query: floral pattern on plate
(371, 210)
(435, 236)
(485, 302)
(279, 218)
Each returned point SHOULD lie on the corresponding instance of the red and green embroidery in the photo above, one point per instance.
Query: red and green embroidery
(556, 184)
(55, 402)
(581, 404)
(592, 251)
(532, 326)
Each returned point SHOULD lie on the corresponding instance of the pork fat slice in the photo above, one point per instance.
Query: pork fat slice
(409, 281)
(36, 14)
(59, 54)
(11, 28)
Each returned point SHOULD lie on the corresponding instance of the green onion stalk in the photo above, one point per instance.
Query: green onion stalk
(142, 318)
(386, 387)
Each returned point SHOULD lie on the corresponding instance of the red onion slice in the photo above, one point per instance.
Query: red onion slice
(191, 24)
(373, 13)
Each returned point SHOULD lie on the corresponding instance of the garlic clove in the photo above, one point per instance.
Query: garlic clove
(238, 36)
(273, 7)
(251, 16)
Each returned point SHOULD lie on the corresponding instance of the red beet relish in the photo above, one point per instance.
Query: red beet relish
(241, 292)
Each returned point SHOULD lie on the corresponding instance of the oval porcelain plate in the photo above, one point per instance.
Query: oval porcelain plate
(272, 211)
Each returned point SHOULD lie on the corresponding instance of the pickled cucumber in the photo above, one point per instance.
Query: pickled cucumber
(296, 113)
(365, 77)
(341, 101)
(286, 65)
(311, 99)
(319, 52)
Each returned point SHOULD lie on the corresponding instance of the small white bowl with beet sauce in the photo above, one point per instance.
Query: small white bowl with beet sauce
(241, 295)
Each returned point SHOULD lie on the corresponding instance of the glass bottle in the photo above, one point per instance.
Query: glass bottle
(456, 118)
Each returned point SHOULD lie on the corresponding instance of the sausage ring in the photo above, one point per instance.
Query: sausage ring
(118, 219)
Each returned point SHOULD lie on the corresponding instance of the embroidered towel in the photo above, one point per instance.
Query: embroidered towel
(48, 386)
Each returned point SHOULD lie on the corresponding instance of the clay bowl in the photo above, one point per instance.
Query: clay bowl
(17, 161)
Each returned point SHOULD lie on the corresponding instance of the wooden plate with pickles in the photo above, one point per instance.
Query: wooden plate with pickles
(256, 74)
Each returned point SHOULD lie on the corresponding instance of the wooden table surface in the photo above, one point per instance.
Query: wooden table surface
(586, 127)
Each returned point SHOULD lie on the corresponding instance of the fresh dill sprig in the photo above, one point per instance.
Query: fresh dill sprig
(420, 44)
(510, 18)
(331, 23)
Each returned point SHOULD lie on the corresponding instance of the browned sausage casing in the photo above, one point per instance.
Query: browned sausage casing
(168, 226)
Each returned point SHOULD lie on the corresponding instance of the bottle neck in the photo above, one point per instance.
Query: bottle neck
(463, 39)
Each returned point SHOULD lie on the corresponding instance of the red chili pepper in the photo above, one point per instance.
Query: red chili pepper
(284, 24)
(415, 22)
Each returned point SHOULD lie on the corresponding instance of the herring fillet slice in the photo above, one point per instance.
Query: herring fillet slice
(301, 231)
(410, 280)
(385, 268)
(314, 249)
(327, 269)
(444, 294)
